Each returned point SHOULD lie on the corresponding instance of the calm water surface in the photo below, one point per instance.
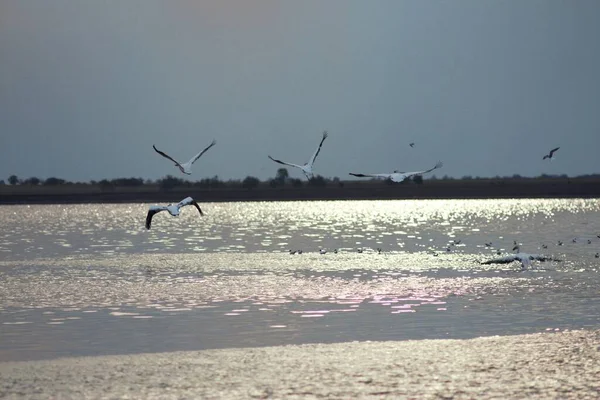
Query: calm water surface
(90, 279)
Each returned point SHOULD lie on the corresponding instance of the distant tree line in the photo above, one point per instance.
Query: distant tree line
(169, 182)
(281, 179)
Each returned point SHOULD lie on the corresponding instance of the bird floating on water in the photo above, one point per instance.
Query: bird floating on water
(524, 258)
(186, 167)
(173, 209)
(551, 154)
(398, 176)
(307, 168)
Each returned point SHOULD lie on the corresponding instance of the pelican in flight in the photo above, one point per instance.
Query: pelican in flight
(524, 258)
(186, 167)
(398, 176)
(307, 168)
(173, 209)
(551, 154)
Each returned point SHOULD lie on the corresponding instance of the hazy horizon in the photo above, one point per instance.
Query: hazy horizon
(488, 88)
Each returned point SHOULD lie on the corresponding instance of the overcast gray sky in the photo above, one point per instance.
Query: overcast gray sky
(488, 87)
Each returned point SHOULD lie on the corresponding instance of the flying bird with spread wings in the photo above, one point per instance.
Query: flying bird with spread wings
(524, 258)
(173, 209)
(551, 154)
(186, 167)
(307, 168)
(398, 176)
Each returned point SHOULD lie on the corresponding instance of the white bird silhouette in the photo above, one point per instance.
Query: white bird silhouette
(307, 168)
(524, 258)
(173, 209)
(398, 176)
(186, 167)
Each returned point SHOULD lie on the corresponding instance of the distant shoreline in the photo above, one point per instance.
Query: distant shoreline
(349, 190)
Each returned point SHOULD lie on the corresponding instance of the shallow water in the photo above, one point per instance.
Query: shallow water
(90, 279)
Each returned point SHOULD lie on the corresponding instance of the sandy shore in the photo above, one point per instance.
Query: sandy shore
(562, 365)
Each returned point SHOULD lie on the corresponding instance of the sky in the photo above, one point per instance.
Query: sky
(487, 87)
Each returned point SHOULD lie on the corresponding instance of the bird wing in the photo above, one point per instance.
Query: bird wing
(501, 260)
(384, 176)
(189, 201)
(198, 207)
(285, 163)
(166, 155)
(438, 165)
(314, 157)
(153, 210)
(553, 150)
(197, 156)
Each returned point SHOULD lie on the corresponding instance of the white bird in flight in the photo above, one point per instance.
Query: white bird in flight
(524, 258)
(173, 209)
(307, 168)
(398, 176)
(551, 154)
(186, 168)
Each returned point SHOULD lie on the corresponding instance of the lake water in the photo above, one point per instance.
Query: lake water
(90, 279)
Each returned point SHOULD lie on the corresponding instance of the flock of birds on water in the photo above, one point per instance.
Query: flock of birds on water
(525, 259)
(307, 168)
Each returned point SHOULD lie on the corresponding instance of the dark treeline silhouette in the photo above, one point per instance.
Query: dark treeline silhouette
(282, 187)
(281, 179)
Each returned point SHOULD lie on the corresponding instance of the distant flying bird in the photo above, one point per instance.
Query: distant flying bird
(173, 209)
(412, 144)
(186, 168)
(307, 168)
(524, 258)
(551, 154)
(398, 176)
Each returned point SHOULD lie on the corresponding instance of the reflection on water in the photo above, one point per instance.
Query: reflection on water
(58, 230)
(89, 279)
